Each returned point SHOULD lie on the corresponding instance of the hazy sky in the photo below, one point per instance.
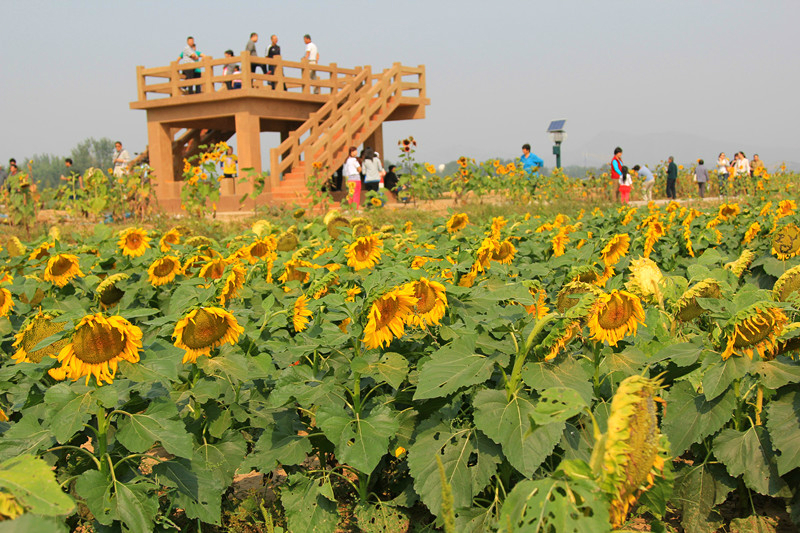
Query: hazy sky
(498, 71)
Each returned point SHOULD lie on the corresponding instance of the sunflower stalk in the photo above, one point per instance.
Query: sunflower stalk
(512, 383)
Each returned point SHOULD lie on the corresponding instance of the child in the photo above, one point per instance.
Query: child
(625, 185)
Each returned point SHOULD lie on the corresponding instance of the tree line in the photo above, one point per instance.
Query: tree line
(47, 169)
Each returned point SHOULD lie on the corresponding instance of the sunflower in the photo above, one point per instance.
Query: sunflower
(163, 270)
(556, 340)
(539, 308)
(292, 271)
(213, 269)
(645, 278)
(287, 241)
(204, 329)
(614, 316)
(96, 347)
(457, 222)
(786, 242)
(334, 223)
(108, 293)
(498, 223)
(487, 249)
(615, 249)
(751, 233)
(584, 273)
(35, 330)
(301, 315)
(786, 208)
(627, 457)
(194, 262)
(728, 211)
(15, 247)
(6, 303)
(298, 213)
(743, 263)
(787, 284)
(755, 329)
(261, 227)
(573, 292)
(468, 279)
(169, 239)
(687, 307)
(40, 252)
(431, 302)
(61, 268)
(199, 241)
(133, 242)
(628, 217)
(261, 249)
(559, 242)
(387, 316)
(364, 252)
(234, 281)
(654, 232)
(504, 253)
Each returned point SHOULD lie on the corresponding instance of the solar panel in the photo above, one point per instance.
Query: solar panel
(556, 125)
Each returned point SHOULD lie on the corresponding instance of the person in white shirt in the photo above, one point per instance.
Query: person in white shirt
(121, 160)
(723, 165)
(373, 169)
(742, 171)
(312, 55)
(352, 173)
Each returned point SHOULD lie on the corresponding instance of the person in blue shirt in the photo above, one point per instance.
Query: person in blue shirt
(530, 162)
(648, 180)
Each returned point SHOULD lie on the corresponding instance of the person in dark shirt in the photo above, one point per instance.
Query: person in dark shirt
(390, 181)
(272, 51)
(672, 177)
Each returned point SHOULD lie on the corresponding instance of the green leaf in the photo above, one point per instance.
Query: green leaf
(29, 523)
(749, 454)
(720, 374)
(783, 422)
(508, 423)
(451, 368)
(754, 524)
(558, 404)
(92, 486)
(26, 436)
(161, 362)
(134, 507)
(222, 458)
(690, 417)
(470, 460)
(33, 484)
(568, 373)
(307, 510)
(778, 372)
(360, 439)
(381, 518)
(565, 506)
(695, 494)
(231, 364)
(68, 411)
(159, 423)
(682, 353)
(391, 368)
(197, 489)
(280, 443)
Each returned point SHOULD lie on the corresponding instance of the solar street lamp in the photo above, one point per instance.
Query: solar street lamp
(557, 135)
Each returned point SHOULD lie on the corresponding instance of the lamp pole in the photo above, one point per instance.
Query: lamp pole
(557, 152)
(557, 135)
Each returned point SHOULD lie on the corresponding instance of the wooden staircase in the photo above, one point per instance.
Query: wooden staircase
(348, 119)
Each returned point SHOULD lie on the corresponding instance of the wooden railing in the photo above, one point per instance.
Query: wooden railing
(288, 76)
(345, 119)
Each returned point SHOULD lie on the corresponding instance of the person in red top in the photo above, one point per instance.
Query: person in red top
(616, 171)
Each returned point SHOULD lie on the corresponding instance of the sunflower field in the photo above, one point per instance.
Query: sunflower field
(609, 370)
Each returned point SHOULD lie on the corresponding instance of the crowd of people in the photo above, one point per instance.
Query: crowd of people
(741, 169)
(191, 55)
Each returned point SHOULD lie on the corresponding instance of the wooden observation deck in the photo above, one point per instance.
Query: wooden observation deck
(318, 119)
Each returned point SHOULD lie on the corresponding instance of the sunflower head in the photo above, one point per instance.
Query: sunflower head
(6, 303)
(261, 249)
(287, 241)
(169, 239)
(213, 269)
(787, 285)
(627, 457)
(163, 270)
(504, 253)
(35, 330)
(575, 291)
(41, 251)
(645, 278)
(559, 335)
(364, 252)
(388, 315)
(457, 222)
(15, 247)
(687, 307)
(261, 227)
(301, 315)
(739, 266)
(133, 242)
(108, 293)
(615, 315)
(615, 249)
(334, 224)
(292, 271)
(96, 347)
(204, 329)
(199, 242)
(786, 242)
(755, 329)
(298, 213)
(234, 281)
(431, 302)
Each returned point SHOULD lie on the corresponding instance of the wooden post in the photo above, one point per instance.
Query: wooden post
(159, 138)
(140, 83)
(305, 76)
(279, 83)
(247, 75)
(174, 76)
(248, 140)
(376, 140)
(208, 72)
(422, 81)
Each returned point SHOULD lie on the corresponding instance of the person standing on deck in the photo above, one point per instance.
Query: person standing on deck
(251, 48)
(312, 55)
(273, 51)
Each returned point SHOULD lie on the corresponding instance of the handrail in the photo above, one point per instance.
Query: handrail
(171, 81)
(335, 126)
